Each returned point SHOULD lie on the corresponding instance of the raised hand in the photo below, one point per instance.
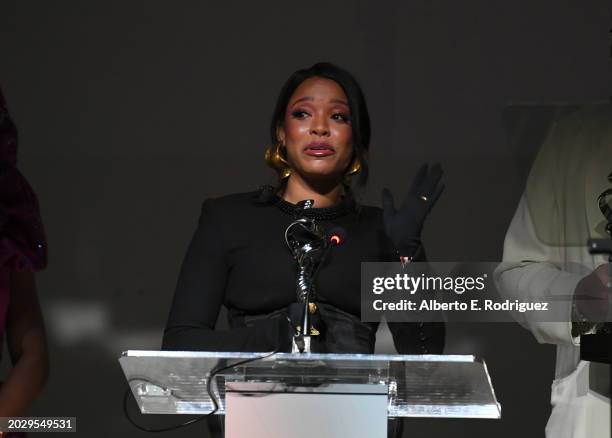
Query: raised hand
(404, 226)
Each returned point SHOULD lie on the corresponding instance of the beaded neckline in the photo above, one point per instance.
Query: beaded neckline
(267, 195)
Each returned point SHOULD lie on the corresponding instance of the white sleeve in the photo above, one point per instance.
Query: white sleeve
(529, 272)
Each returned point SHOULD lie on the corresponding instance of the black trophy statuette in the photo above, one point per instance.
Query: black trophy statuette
(307, 242)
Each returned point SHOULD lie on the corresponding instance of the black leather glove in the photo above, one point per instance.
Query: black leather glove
(404, 226)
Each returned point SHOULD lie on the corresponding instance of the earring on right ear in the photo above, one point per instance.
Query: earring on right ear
(275, 159)
(354, 168)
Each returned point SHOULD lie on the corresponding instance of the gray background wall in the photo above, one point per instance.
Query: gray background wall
(131, 113)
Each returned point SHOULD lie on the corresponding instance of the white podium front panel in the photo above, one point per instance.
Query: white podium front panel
(263, 410)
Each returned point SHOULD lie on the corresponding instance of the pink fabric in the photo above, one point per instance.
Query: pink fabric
(22, 237)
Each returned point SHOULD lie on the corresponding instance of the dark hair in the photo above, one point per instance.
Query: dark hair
(360, 119)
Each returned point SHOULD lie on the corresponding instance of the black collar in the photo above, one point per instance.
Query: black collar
(267, 195)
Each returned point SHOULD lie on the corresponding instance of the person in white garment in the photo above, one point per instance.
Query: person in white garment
(545, 254)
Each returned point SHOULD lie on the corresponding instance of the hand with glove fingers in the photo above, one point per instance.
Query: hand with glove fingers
(404, 226)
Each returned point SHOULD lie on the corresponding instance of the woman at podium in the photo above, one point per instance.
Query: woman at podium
(238, 256)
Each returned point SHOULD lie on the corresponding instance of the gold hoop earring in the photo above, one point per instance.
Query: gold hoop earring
(354, 168)
(275, 159)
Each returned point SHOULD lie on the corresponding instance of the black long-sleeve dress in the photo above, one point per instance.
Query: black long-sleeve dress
(238, 258)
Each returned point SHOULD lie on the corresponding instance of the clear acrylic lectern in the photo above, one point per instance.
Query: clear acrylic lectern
(325, 395)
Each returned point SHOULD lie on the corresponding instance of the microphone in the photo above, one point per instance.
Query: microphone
(336, 236)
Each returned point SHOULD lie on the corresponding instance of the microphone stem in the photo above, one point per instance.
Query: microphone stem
(306, 326)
